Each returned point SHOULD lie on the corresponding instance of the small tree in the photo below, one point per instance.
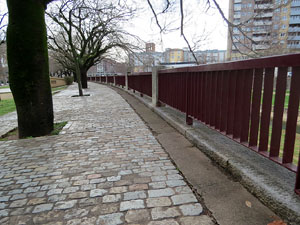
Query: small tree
(27, 55)
(86, 32)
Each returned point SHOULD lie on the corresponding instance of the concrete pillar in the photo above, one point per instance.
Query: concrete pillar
(155, 102)
(126, 81)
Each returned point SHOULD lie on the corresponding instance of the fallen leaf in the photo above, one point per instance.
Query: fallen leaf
(248, 204)
(277, 222)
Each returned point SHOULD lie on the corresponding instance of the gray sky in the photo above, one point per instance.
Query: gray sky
(201, 24)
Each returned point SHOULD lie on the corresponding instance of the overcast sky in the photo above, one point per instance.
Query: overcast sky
(201, 23)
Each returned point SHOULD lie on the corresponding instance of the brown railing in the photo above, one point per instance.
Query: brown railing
(120, 80)
(141, 83)
(254, 102)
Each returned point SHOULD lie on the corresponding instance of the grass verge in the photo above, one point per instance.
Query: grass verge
(7, 106)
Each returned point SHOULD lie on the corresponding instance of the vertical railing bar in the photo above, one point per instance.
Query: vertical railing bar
(255, 108)
(224, 103)
(204, 96)
(266, 110)
(246, 105)
(238, 104)
(213, 99)
(292, 116)
(231, 102)
(218, 100)
(278, 111)
(208, 98)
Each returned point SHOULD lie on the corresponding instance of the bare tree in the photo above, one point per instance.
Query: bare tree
(27, 56)
(84, 32)
(244, 43)
(3, 26)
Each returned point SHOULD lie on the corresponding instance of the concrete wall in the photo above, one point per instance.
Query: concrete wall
(57, 82)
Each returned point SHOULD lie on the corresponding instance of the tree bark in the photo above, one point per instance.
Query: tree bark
(83, 73)
(28, 65)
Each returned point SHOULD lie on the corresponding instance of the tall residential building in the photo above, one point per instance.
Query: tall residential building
(263, 27)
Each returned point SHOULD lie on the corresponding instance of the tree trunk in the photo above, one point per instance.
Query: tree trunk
(78, 77)
(83, 73)
(28, 65)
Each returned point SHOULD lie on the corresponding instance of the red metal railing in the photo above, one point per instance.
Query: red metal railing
(141, 83)
(120, 80)
(252, 101)
(239, 100)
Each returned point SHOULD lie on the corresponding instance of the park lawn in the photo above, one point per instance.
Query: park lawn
(2, 87)
(7, 106)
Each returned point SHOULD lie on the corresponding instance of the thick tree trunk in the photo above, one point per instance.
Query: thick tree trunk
(83, 73)
(78, 77)
(27, 55)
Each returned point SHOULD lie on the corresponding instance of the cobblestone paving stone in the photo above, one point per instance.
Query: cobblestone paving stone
(105, 167)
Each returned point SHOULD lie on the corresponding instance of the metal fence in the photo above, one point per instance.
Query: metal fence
(248, 101)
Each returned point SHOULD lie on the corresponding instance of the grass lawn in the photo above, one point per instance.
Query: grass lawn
(2, 87)
(7, 106)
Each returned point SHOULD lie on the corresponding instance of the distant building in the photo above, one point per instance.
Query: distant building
(144, 61)
(174, 55)
(172, 58)
(107, 67)
(150, 47)
(206, 56)
(263, 27)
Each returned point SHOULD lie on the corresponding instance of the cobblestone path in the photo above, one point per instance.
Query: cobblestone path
(105, 167)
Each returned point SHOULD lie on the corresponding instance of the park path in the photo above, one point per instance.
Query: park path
(105, 167)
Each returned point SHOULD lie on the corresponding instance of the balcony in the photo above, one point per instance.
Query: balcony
(294, 38)
(260, 47)
(295, 4)
(294, 29)
(295, 20)
(294, 46)
(261, 23)
(263, 6)
(264, 15)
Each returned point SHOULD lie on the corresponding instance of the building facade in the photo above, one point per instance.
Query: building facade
(107, 67)
(172, 57)
(263, 27)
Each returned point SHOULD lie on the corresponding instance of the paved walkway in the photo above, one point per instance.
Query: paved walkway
(105, 167)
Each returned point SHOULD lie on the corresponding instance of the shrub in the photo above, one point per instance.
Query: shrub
(69, 80)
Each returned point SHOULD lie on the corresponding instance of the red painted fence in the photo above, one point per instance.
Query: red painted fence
(248, 101)
(141, 83)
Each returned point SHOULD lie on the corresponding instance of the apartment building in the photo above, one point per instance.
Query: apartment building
(263, 27)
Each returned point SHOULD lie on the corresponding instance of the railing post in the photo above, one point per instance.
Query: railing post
(126, 81)
(114, 80)
(106, 79)
(155, 101)
(188, 119)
